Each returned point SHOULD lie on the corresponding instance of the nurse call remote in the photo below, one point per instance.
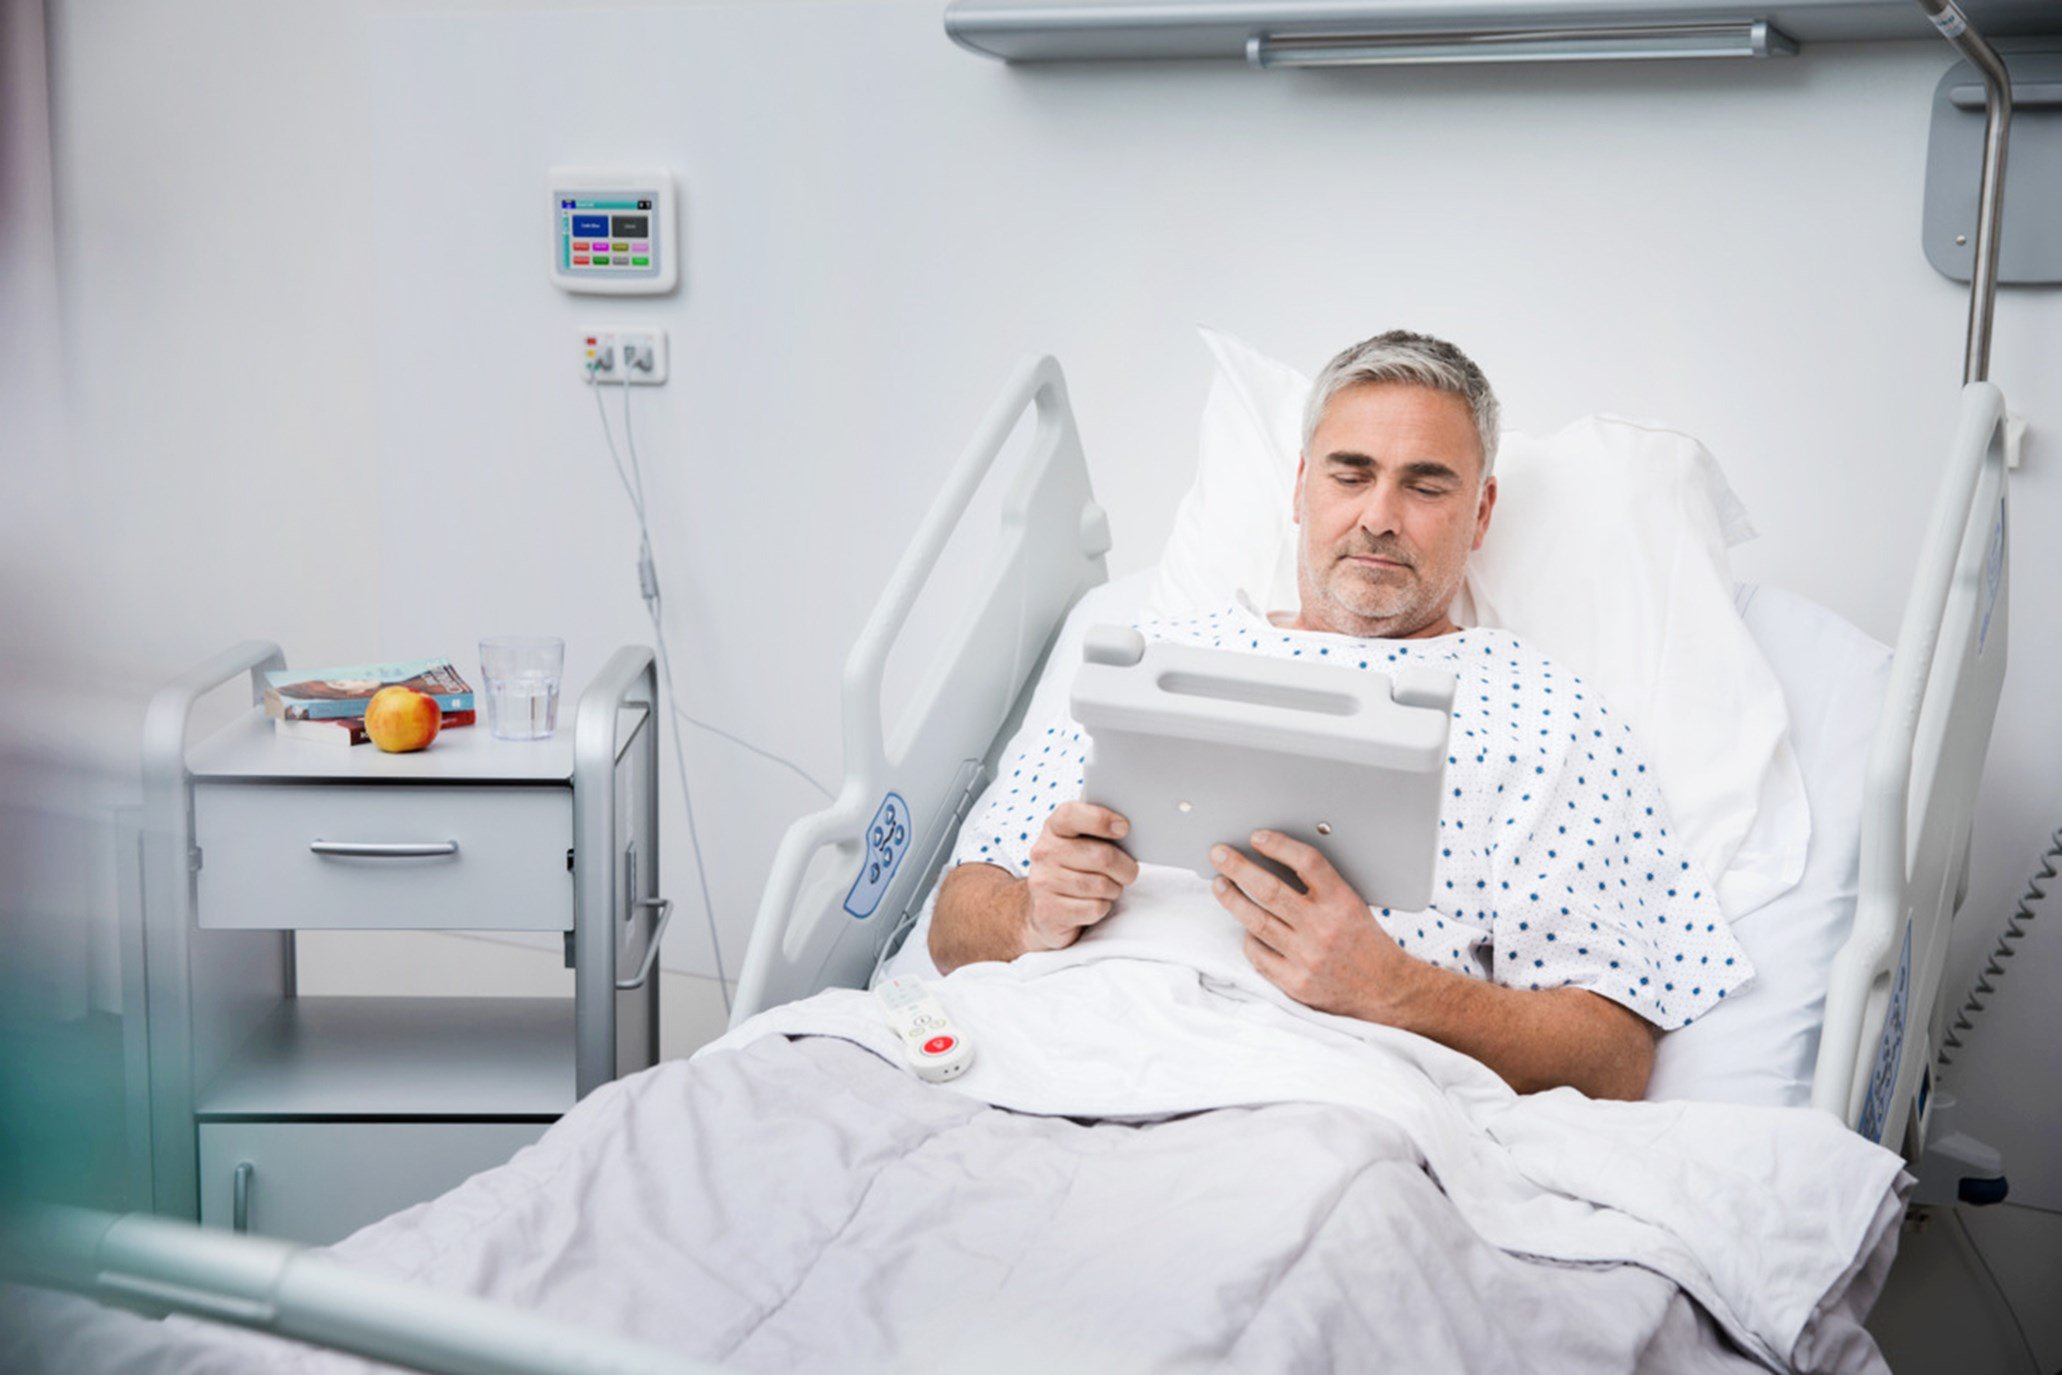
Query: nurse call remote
(931, 1044)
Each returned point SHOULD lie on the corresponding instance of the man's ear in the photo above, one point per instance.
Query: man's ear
(1296, 497)
(1482, 513)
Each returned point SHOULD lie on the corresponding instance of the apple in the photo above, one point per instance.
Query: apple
(400, 719)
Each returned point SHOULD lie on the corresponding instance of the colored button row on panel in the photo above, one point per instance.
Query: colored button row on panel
(604, 260)
(605, 246)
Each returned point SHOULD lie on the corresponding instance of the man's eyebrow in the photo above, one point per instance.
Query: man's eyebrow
(1423, 468)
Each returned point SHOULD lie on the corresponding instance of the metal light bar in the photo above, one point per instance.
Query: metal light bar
(1597, 43)
(1990, 190)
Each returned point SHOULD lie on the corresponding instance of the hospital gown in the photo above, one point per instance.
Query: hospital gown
(1556, 864)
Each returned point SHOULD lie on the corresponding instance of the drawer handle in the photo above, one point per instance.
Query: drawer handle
(240, 1196)
(651, 946)
(397, 849)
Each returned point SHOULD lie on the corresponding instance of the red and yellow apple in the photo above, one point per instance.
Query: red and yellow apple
(399, 719)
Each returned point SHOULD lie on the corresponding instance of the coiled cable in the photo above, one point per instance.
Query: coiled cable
(2007, 946)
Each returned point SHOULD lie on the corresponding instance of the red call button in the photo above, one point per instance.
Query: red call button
(938, 1045)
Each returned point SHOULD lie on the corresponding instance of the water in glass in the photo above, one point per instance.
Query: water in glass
(524, 707)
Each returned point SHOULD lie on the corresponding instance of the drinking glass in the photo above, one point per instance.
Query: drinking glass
(521, 676)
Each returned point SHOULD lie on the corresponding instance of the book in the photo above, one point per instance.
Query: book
(301, 694)
(350, 730)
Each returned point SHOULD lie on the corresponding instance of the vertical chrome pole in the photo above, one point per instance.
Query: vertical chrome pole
(1990, 191)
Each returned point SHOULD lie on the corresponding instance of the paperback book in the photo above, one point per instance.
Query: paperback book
(328, 694)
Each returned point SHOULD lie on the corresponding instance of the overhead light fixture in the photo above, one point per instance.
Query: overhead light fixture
(1598, 43)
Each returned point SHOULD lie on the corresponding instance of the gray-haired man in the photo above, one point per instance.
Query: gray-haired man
(1567, 927)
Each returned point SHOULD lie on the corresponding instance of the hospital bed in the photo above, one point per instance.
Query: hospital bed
(843, 885)
(851, 880)
(1884, 1007)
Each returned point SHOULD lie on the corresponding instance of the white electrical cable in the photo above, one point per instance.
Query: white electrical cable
(637, 505)
(648, 588)
(650, 593)
(790, 765)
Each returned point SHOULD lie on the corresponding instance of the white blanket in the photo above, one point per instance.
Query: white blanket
(1360, 1199)
(1763, 1215)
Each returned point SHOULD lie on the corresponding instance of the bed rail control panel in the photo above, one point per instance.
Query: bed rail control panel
(887, 843)
(1199, 746)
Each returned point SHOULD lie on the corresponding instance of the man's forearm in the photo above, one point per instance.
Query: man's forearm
(979, 916)
(1534, 1040)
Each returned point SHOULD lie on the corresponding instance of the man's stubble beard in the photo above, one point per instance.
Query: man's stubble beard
(1371, 599)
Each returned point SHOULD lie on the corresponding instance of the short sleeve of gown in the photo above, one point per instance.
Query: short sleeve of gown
(1047, 772)
(1592, 889)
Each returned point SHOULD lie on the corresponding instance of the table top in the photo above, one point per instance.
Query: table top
(249, 749)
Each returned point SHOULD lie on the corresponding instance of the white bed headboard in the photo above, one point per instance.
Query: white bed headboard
(843, 877)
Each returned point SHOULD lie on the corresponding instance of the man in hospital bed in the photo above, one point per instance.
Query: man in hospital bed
(1569, 928)
(1171, 1152)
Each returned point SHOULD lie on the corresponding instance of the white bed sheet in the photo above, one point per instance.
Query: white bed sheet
(1761, 1045)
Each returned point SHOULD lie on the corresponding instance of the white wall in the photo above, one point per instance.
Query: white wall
(326, 394)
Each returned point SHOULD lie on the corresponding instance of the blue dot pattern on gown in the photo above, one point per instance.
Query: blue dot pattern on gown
(1556, 868)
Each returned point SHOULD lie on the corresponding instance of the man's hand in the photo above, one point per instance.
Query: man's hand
(984, 912)
(1322, 947)
(1325, 949)
(1077, 874)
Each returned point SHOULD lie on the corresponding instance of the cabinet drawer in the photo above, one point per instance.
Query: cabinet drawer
(318, 1182)
(506, 872)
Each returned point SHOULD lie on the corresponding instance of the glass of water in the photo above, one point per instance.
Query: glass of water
(521, 674)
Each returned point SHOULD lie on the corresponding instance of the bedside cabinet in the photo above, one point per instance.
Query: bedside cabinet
(307, 1117)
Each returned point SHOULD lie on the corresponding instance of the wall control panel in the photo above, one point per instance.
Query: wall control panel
(612, 232)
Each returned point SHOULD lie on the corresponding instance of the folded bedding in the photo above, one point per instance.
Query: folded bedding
(1156, 1162)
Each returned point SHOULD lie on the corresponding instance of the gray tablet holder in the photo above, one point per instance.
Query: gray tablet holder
(1200, 746)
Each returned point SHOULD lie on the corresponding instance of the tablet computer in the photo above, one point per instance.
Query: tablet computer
(1197, 747)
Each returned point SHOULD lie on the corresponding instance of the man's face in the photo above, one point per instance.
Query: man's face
(1390, 502)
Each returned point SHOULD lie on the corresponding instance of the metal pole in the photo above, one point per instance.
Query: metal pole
(1990, 192)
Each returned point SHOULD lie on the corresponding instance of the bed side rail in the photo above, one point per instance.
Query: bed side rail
(844, 876)
(161, 1267)
(1883, 1006)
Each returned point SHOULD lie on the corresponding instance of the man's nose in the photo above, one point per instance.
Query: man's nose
(1379, 509)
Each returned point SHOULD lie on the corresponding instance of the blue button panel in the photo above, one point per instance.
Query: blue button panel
(887, 841)
(1889, 1050)
(591, 226)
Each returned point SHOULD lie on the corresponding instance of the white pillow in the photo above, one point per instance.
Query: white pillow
(1607, 551)
(1761, 1044)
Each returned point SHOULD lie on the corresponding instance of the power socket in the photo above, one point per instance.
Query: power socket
(611, 354)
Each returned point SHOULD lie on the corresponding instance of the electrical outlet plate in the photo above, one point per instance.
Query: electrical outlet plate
(611, 353)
